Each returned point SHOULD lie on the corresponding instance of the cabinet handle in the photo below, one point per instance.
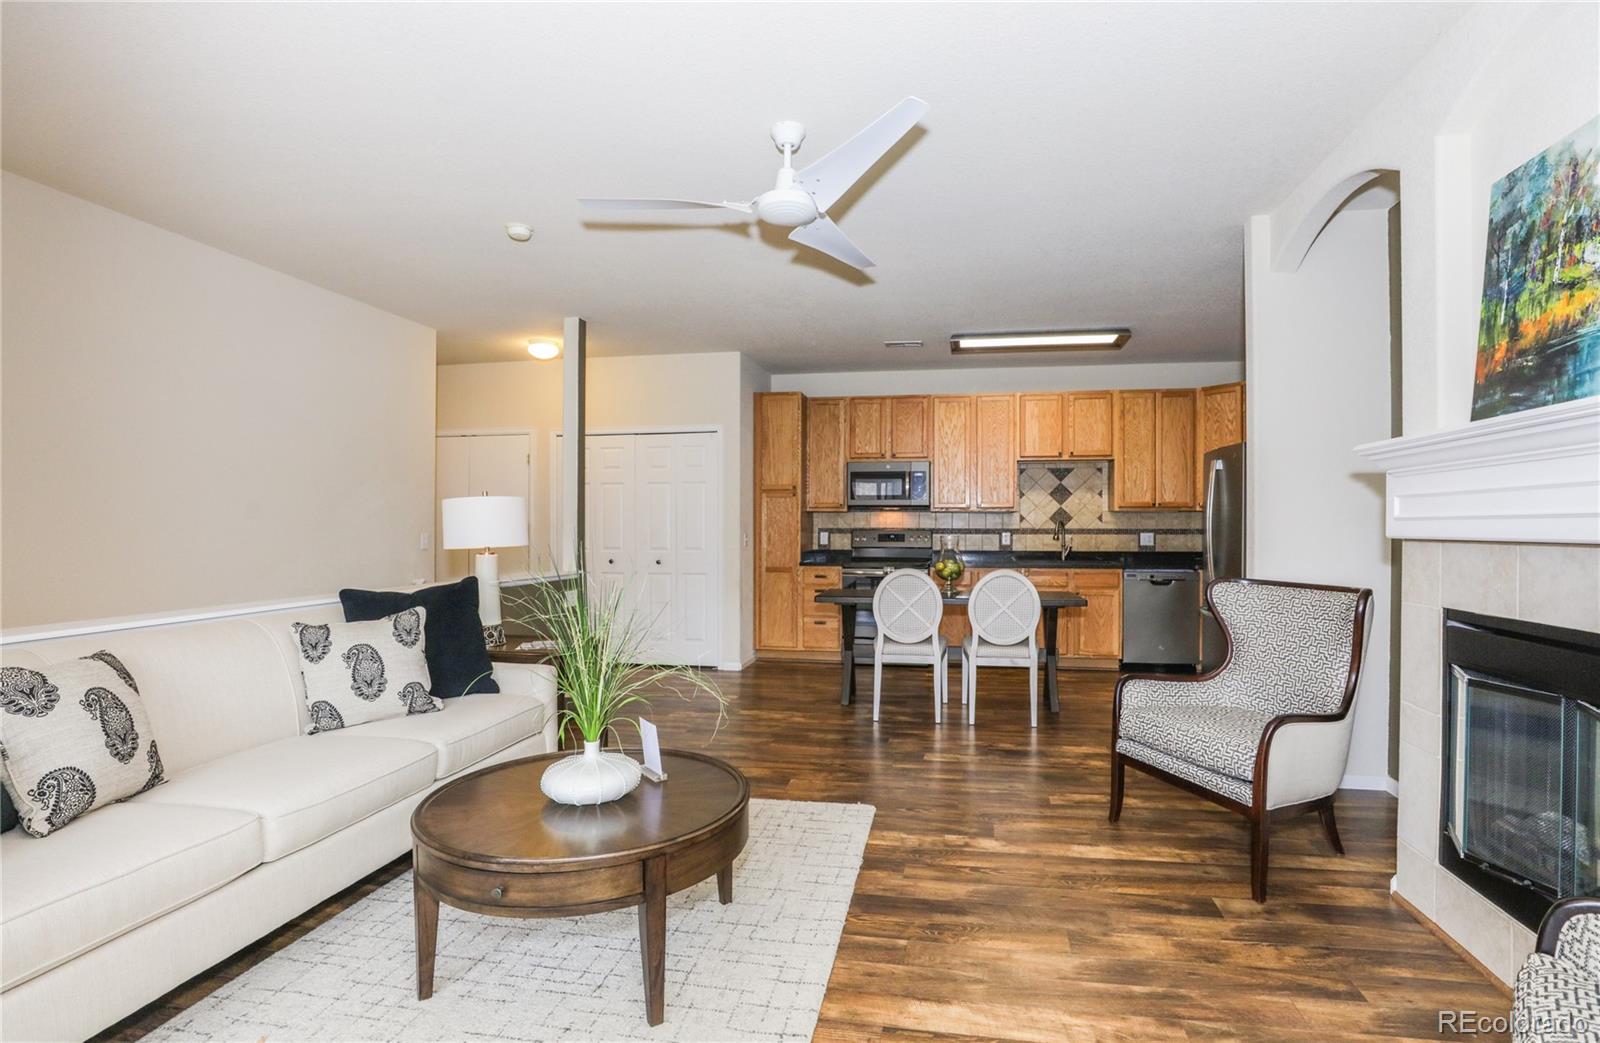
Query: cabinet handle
(498, 892)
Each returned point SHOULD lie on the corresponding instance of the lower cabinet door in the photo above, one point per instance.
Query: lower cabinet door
(1096, 628)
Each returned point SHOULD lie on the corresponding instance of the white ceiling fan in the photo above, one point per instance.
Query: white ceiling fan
(801, 198)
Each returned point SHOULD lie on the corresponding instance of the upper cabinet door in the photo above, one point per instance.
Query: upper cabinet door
(868, 425)
(780, 424)
(954, 447)
(825, 454)
(1040, 427)
(1175, 455)
(1221, 416)
(909, 427)
(995, 422)
(1134, 468)
(1089, 425)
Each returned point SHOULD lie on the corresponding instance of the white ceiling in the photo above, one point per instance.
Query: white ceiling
(1082, 165)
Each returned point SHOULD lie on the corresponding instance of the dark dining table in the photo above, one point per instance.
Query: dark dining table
(1051, 602)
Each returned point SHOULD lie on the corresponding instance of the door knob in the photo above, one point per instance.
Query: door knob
(498, 892)
(611, 561)
(658, 561)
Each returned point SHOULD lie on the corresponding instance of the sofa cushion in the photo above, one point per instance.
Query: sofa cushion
(467, 730)
(306, 787)
(1221, 739)
(1557, 1001)
(74, 736)
(360, 672)
(456, 654)
(116, 868)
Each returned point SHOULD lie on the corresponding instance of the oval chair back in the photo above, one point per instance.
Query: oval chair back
(1004, 608)
(907, 606)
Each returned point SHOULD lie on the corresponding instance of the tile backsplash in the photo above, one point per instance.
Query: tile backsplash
(1073, 494)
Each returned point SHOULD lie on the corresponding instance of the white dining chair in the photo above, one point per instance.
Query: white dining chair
(1004, 613)
(907, 607)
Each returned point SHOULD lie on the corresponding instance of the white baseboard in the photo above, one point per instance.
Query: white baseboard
(736, 665)
(1372, 782)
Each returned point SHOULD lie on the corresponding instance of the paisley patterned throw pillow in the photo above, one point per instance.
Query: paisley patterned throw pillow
(360, 672)
(73, 736)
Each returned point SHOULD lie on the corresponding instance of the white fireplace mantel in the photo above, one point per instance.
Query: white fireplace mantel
(1530, 477)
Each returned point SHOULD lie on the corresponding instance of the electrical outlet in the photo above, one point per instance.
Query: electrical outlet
(822, 538)
(1147, 539)
(1005, 539)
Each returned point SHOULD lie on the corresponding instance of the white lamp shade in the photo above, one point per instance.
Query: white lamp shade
(485, 521)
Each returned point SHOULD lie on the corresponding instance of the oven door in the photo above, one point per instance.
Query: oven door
(873, 486)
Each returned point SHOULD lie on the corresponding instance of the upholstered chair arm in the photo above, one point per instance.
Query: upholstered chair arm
(535, 681)
(1579, 942)
(1302, 757)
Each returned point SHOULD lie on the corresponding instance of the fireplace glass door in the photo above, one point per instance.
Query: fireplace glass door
(1525, 794)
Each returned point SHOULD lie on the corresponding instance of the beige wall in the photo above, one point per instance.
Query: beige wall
(182, 428)
(627, 393)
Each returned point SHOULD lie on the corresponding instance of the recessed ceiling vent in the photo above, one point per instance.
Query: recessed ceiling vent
(897, 344)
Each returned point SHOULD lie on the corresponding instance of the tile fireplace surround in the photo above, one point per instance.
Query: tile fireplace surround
(1502, 518)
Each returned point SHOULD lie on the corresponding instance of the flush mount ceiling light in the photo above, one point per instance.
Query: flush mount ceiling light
(1038, 340)
(543, 350)
(909, 344)
(519, 232)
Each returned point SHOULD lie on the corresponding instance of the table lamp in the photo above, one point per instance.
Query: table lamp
(485, 522)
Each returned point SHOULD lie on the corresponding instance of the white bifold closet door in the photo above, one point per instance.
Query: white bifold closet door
(652, 509)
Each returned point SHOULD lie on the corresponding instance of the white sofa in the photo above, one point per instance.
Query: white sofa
(257, 822)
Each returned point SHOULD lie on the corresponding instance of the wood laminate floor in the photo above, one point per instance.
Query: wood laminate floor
(996, 902)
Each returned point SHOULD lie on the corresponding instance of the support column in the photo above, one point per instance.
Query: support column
(573, 363)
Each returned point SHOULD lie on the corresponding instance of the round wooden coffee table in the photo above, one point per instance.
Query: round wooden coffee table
(493, 843)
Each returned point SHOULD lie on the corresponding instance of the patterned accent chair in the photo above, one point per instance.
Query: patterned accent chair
(1267, 733)
(1558, 989)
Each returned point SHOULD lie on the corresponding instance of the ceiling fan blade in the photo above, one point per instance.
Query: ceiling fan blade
(664, 204)
(826, 237)
(831, 176)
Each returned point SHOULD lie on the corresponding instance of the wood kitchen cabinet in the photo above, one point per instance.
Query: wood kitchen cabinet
(1176, 475)
(1133, 481)
(954, 453)
(779, 438)
(1041, 426)
(995, 456)
(953, 625)
(867, 422)
(824, 462)
(909, 427)
(1052, 579)
(1088, 425)
(819, 624)
(1221, 416)
(1094, 631)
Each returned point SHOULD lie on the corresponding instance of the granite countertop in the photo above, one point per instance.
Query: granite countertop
(1006, 559)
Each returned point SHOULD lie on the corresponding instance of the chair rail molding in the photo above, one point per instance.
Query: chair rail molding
(1529, 477)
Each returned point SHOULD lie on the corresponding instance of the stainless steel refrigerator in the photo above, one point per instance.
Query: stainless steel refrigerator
(1223, 475)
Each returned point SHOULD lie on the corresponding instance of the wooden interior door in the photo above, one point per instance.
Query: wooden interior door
(953, 454)
(825, 424)
(1089, 422)
(909, 427)
(1040, 430)
(1134, 467)
(868, 428)
(1176, 462)
(995, 459)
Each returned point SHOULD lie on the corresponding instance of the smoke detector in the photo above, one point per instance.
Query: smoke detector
(519, 232)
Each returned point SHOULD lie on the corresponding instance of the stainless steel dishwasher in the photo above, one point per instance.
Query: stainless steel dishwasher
(1161, 616)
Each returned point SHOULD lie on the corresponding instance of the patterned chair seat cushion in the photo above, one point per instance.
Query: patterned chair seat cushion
(1221, 739)
(1231, 788)
(1557, 1000)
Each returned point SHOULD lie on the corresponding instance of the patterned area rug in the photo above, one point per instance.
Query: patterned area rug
(754, 970)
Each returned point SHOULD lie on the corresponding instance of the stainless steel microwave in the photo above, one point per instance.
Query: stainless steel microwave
(896, 484)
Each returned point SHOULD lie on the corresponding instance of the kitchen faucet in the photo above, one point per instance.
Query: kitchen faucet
(1061, 537)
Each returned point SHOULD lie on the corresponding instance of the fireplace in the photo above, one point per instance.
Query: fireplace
(1520, 809)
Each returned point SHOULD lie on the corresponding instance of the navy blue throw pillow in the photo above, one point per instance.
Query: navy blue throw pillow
(458, 664)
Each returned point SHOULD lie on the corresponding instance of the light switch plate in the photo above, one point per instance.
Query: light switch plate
(425, 542)
(1147, 539)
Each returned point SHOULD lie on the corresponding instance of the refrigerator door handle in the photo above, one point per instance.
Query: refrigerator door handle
(1209, 544)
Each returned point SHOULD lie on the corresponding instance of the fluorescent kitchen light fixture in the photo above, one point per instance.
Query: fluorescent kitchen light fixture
(1039, 340)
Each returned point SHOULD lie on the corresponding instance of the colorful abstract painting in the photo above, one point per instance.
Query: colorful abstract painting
(1539, 327)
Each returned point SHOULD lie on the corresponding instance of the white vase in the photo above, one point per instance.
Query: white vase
(590, 777)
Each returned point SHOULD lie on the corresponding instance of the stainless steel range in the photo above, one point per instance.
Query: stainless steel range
(874, 553)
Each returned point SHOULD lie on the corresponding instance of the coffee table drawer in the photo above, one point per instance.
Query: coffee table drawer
(529, 891)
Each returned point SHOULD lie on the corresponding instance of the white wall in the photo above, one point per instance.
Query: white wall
(711, 389)
(183, 428)
(971, 380)
(1318, 358)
